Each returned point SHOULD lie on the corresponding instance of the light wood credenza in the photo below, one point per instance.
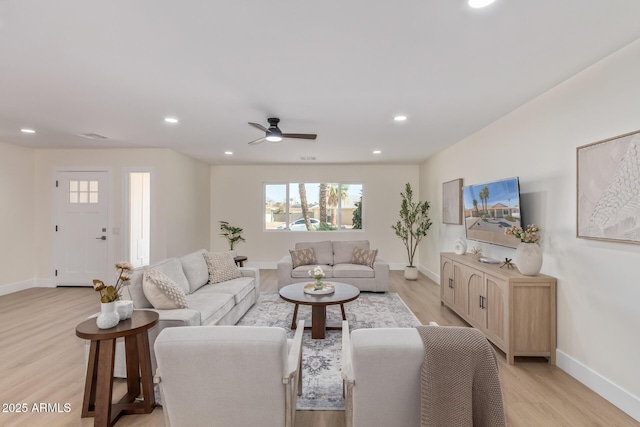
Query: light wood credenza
(517, 313)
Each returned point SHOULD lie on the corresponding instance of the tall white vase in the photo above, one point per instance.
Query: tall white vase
(528, 258)
(108, 317)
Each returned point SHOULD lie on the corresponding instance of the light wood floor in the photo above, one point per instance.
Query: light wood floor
(42, 361)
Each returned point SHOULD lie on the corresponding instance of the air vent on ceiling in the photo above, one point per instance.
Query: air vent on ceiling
(308, 158)
(92, 136)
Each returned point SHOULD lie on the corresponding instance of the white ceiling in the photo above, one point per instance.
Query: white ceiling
(341, 69)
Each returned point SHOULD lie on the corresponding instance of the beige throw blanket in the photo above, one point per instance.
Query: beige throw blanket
(460, 383)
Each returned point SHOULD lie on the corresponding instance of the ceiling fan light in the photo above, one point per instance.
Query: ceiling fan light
(274, 138)
(478, 4)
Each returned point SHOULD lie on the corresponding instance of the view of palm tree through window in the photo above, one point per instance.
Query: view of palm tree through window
(313, 206)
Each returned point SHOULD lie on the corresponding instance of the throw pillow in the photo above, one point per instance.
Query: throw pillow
(221, 266)
(162, 292)
(303, 257)
(364, 256)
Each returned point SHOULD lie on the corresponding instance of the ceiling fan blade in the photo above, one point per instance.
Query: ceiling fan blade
(257, 141)
(300, 135)
(259, 126)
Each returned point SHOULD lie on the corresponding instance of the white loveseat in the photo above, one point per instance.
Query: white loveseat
(208, 304)
(335, 259)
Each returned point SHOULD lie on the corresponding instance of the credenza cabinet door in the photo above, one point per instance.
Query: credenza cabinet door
(446, 281)
(477, 298)
(460, 288)
(497, 309)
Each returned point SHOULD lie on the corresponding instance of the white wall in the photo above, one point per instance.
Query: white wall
(17, 210)
(598, 287)
(180, 198)
(186, 194)
(237, 196)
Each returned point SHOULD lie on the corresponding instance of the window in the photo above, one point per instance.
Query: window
(328, 206)
(139, 218)
(83, 191)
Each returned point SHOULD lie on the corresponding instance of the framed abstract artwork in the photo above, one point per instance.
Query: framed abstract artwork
(608, 193)
(452, 202)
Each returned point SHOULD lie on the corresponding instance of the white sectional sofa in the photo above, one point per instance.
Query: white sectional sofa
(335, 259)
(208, 304)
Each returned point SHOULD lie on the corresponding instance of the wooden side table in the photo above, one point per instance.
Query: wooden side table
(98, 387)
(240, 259)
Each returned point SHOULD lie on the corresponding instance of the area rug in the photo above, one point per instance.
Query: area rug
(321, 380)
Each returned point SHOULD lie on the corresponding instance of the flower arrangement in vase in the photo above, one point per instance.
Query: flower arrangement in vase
(317, 273)
(530, 235)
(109, 295)
(528, 255)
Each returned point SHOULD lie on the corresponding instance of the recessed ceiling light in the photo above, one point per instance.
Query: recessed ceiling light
(477, 4)
(171, 120)
(27, 130)
(400, 118)
(377, 152)
(228, 153)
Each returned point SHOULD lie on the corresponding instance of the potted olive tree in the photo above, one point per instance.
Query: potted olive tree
(412, 226)
(231, 233)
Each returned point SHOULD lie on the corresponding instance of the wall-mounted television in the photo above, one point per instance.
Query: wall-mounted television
(490, 208)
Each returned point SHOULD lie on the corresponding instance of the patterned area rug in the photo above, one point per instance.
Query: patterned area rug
(321, 380)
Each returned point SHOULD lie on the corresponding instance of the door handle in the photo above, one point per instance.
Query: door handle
(450, 283)
(101, 238)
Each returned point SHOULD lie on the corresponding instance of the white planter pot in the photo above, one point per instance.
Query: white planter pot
(528, 258)
(108, 317)
(411, 273)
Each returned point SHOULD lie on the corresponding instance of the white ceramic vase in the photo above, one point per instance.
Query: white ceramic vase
(108, 317)
(124, 309)
(411, 273)
(528, 258)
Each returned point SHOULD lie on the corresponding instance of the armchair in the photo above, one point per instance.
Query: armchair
(229, 375)
(441, 376)
(381, 376)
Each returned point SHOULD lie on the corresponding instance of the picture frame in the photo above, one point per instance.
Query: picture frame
(608, 188)
(452, 202)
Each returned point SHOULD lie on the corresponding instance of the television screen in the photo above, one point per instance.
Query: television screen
(489, 209)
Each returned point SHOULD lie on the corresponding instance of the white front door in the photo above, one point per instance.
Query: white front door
(81, 249)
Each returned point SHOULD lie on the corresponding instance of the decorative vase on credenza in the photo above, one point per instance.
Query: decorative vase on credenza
(528, 258)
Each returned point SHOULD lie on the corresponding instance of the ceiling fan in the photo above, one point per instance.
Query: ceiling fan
(274, 134)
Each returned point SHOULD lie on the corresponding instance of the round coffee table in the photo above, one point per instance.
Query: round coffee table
(295, 294)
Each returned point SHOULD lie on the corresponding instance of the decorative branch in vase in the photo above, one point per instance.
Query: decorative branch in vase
(109, 296)
(413, 225)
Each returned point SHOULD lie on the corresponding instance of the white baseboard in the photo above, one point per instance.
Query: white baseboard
(262, 265)
(430, 274)
(615, 394)
(397, 266)
(25, 284)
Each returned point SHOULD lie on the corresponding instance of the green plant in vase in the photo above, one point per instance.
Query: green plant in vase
(413, 225)
(231, 233)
